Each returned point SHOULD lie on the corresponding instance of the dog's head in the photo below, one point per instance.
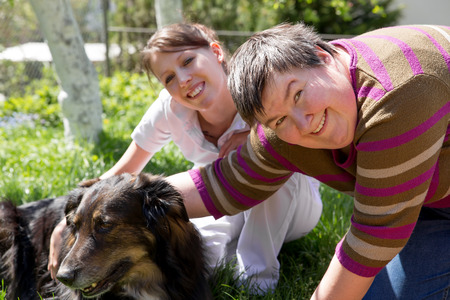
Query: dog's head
(130, 234)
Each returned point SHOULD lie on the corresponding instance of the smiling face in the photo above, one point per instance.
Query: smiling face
(311, 107)
(194, 77)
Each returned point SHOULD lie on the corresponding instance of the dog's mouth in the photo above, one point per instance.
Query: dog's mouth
(103, 286)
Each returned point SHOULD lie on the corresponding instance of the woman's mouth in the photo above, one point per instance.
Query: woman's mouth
(322, 122)
(197, 90)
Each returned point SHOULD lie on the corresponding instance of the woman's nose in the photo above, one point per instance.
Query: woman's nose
(302, 121)
(184, 78)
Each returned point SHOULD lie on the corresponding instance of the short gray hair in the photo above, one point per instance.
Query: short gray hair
(278, 49)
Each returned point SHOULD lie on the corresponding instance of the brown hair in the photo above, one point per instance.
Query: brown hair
(278, 49)
(179, 37)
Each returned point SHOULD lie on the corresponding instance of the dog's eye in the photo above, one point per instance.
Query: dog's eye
(71, 226)
(102, 226)
(72, 223)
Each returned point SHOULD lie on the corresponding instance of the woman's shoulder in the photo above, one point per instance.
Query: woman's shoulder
(164, 98)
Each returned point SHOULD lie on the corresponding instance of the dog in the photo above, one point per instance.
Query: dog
(127, 237)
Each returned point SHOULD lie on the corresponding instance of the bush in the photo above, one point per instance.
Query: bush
(32, 147)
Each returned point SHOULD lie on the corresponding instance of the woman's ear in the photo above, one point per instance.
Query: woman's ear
(217, 51)
(323, 55)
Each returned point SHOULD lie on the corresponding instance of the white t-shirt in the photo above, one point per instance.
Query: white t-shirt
(166, 120)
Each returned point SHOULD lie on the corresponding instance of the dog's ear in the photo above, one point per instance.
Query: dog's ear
(75, 196)
(179, 249)
(73, 201)
(88, 182)
(161, 199)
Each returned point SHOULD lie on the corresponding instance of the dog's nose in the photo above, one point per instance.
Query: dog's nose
(66, 276)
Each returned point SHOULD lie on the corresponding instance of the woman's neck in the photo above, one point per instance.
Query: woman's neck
(217, 120)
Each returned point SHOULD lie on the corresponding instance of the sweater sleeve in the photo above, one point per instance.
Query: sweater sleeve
(244, 178)
(400, 166)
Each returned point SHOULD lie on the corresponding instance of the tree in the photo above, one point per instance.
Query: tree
(327, 16)
(168, 12)
(80, 92)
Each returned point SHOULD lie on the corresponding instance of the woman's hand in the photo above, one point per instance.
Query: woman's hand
(55, 248)
(235, 141)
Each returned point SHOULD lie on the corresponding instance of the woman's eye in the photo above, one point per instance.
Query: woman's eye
(168, 79)
(280, 120)
(297, 96)
(188, 60)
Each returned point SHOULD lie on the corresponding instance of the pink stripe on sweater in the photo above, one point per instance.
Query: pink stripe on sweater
(375, 64)
(407, 136)
(242, 199)
(352, 265)
(252, 173)
(406, 186)
(269, 148)
(207, 201)
(383, 232)
(407, 52)
(433, 185)
(342, 177)
(371, 92)
(443, 203)
(444, 53)
(447, 134)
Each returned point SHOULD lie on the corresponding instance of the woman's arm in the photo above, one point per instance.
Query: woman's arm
(132, 161)
(192, 200)
(339, 283)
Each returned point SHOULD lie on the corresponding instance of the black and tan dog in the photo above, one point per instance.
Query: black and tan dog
(128, 237)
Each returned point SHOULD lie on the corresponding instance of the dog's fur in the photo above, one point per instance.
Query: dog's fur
(128, 237)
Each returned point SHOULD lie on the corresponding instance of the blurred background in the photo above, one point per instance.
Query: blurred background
(123, 26)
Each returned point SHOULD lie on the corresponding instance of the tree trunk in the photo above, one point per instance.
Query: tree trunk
(80, 92)
(168, 12)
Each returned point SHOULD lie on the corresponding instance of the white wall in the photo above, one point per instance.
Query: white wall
(435, 12)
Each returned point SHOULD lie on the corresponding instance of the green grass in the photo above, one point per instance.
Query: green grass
(36, 162)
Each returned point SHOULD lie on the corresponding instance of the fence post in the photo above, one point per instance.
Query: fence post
(105, 7)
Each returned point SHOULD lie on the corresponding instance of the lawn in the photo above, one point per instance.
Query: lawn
(37, 162)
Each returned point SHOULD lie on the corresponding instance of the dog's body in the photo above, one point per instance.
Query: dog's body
(128, 237)
(24, 242)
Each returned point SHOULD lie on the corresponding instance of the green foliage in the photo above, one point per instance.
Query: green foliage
(134, 13)
(3, 290)
(17, 20)
(19, 78)
(127, 95)
(29, 155)
(43, 104)
(124, 95)
(328, 16)
(244, 16)
(41, 92)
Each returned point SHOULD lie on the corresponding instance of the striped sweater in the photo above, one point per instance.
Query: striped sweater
(399, 159)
